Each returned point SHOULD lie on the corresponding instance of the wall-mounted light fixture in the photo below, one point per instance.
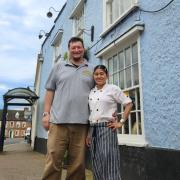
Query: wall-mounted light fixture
(40, 34)
(86, 31)
(49, 13)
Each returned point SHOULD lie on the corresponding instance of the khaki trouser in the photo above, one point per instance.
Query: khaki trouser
(64, 137)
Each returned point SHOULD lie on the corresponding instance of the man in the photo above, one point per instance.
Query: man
(66, 113)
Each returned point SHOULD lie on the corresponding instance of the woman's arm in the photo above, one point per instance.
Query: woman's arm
(114, 124)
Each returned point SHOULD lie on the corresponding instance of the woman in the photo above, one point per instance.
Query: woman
(102, 137)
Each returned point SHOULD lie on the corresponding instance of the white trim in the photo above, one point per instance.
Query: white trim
(76, 9)
(124, 37)
(57, 37)
(132, 140)
(111, 26)
(140, 88)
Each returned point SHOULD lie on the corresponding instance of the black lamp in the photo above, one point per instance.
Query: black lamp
(49, 13)
(40, 34)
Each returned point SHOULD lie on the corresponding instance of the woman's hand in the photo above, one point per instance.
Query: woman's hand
(114, 125)
(88, 141)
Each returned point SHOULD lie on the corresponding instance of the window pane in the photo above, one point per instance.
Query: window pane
(126, 4)
(126, 127)
(110, 66)
(127, 57)
(121, 78)
(108, 13)
(128, 77)
(132, 96)
(133, 123)
(115, 79)
(110, 79)
(121, 60)
(135, 74)
(134, 53)
(138, 100)
(119, 106)
(115, 9)
(139, 123)
(115, 64)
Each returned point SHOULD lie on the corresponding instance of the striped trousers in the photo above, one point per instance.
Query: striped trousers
(105, 153)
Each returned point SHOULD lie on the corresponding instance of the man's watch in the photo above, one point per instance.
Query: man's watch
(45, 114)
(122, 121)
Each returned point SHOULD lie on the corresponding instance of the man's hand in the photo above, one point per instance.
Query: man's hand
(45, 122)
(88, 140)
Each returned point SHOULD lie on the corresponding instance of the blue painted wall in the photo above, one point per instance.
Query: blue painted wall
(160, 61)
(160, 67)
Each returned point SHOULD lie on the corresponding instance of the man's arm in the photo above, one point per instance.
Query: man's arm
(49, 96)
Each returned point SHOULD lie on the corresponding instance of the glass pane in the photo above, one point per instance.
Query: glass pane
(127, 57)
(110, 66)
(115, 64)
(133, 123)
(121, 78)
(139, 123)
(134, 53)
(115, 79)
(121, 60)
(126, 127)
(115, 9)
(119, 106)
(110, 79)
(138, 99)
(108, 13)
(135, 74)
(126, 4)
(132, 96)
(128, 77)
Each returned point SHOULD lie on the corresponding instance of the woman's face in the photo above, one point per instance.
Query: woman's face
(100, 77)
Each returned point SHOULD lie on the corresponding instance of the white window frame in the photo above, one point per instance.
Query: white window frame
(107, 27)
(124, 41)
(77, 16)
(56, 44)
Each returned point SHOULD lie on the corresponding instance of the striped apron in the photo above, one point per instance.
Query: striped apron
(105, 153)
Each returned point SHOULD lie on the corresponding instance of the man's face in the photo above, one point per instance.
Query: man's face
(76, 51)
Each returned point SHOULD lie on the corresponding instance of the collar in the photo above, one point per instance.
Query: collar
(96, 89)
(69, 63)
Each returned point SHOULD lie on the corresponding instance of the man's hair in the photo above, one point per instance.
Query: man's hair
(75, 39)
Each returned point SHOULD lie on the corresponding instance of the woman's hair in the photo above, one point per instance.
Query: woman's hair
(101, 67)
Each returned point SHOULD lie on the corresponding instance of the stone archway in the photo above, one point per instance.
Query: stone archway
(16, 93)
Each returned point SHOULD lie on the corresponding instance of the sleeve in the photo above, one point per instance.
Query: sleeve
(51, 81)
(119, 96)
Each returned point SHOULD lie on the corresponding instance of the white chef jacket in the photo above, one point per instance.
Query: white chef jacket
(103, 102)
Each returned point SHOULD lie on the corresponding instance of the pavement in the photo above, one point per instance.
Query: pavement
(20, 162)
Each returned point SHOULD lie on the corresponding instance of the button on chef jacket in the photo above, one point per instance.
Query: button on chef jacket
(103, 102)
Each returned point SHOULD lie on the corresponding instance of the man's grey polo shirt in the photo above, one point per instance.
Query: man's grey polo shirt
(72, 86)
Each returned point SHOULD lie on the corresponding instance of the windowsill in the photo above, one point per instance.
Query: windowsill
(118, 20)
(132, 140)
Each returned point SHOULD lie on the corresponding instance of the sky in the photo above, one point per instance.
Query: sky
(20, 24)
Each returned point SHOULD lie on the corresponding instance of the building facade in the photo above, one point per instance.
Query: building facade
(138, 41)
(16, 124)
